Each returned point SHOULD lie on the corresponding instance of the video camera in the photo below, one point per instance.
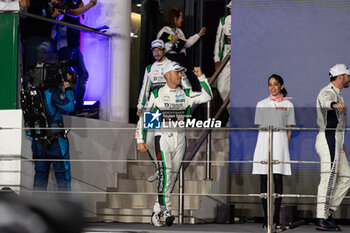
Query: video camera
(44, 75)
(40, 77)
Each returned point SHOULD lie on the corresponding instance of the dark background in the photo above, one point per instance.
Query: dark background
(197, 14)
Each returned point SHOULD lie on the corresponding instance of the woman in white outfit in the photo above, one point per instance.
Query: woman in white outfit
(277, 111)
(173, 37)
(176, 42)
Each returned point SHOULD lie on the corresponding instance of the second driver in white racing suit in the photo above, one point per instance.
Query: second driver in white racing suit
(174, 104)
(222, 48)
(335, 170)
(154, 75)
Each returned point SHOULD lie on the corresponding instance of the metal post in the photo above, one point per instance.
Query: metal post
(199, 26)
(208, 164)
(270, 182)
(181, 195)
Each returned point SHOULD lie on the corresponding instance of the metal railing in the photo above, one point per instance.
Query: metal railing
(270, 195)
(270, 181)
(74, 26)
(206, 134)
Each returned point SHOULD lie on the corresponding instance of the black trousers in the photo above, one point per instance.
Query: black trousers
(277, 178)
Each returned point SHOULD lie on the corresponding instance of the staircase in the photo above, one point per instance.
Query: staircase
(197, 209)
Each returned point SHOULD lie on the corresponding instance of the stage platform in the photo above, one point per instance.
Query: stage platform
(234, 228)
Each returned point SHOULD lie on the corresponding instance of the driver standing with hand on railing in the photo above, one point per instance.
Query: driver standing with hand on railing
(174, 104)
(335, 170)
(221, 49)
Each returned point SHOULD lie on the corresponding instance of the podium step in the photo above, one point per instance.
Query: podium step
(147, 201)
(196, 171)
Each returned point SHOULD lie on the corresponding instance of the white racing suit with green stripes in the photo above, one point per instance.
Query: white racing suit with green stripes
(222, 48)
(154, 79)
(170, 141)
(334, 177)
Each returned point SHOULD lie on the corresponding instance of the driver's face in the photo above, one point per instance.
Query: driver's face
(158, 53)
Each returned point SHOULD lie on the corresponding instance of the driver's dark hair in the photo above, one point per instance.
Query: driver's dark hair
(332, 78)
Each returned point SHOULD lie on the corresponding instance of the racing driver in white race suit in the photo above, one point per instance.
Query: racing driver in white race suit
(154, 79)
(174, 104)
(335, 176)
(222, 48)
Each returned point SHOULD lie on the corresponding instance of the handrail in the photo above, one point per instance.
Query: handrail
(213, 78)
(193, 149)
(205, 133)
(77, 27)
(221, 67)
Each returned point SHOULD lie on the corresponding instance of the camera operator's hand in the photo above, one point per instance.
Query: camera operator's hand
(66, 83)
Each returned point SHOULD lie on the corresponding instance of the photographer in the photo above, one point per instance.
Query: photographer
(55, 98)
(68, 42)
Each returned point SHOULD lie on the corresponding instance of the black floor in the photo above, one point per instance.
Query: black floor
(235, 228)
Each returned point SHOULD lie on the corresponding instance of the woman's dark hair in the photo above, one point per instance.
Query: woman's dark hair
(170, 16)
(280, 81)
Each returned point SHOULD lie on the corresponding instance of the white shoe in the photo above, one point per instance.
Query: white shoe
(153, 177)
(169, 219)
(155, 220)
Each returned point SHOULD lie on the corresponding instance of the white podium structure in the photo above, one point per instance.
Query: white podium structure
(10, 148)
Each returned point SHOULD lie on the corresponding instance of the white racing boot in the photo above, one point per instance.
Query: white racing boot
(155, 220)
